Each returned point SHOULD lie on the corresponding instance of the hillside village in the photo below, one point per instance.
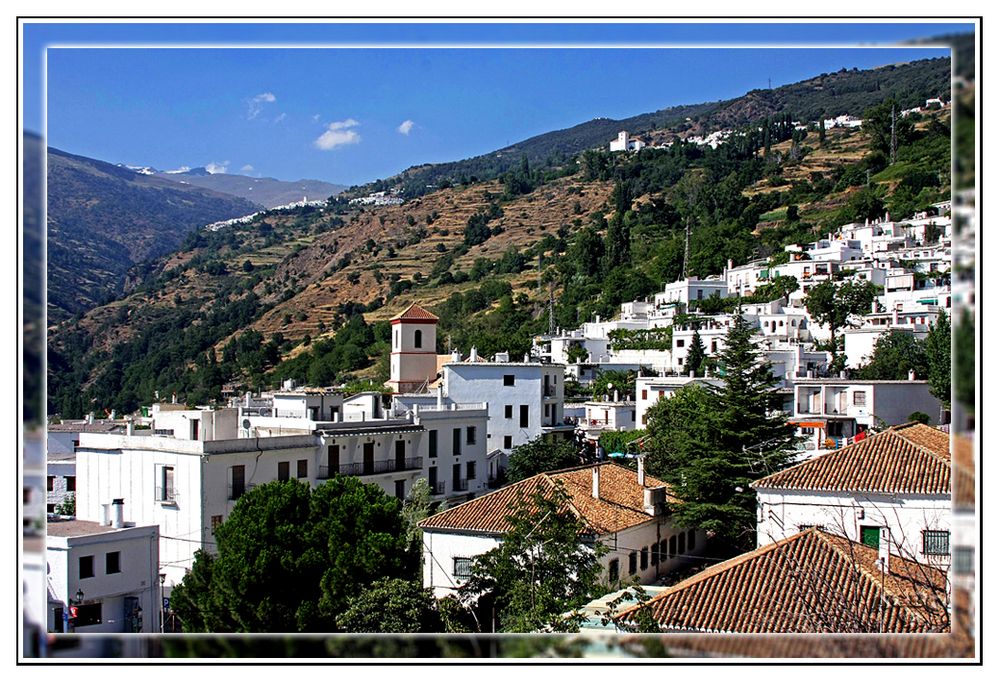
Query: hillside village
(152, 488)
(750, 444)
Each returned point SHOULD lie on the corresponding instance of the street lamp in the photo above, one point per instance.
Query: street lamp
(163, 579)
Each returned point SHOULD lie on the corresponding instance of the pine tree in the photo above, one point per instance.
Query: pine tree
(696, 355)
(822, 131)
(711, 443)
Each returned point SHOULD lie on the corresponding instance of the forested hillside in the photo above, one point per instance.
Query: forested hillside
(307, 293)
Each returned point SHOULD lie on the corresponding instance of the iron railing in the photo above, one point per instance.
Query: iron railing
(363, 469)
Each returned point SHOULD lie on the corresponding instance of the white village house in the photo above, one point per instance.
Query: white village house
(897, 482)
(623, 510)
(107, 574)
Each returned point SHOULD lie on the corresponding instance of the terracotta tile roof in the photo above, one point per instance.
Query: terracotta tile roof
(964, 472)
(619, 507)
(910, 458)
(812, 582)
(417, 313)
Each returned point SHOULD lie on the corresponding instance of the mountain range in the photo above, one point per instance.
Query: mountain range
(267, 192)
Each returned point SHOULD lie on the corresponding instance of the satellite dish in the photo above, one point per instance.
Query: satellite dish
(246, 424)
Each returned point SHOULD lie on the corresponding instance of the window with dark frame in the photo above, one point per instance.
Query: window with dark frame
(613, 571)
(470, 435)
(432, 443)
(50, 484)
(87, 567)
(216, 522)
(524, 416)
(302, 469)
(283, 473)
(632, 557)
(113, 562)
(470, 470)
(456, 441)
(508, 441)
(71, 484)
(508, 380)
(860, 398)
(936, 542)
(644, 558)
(462, 569)
(508, 412)
(88, 615)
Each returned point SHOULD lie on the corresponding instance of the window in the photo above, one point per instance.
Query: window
(547, 410)
(456, 441)
(644, 558)
(860, 398)
(302, 469)
(368, 458)
(88, 615)
(936, 542)
(673, 546)
(508, 441)
(631, 562)
(50, 484)
(965, 559)
(283, 471)
(71, 483)
(432, 443)
(663, 550)
(470, 435)
(237, 481)
(613, 571)
(508, 380)
(216, 522)
(164, 484)
(654, 554)
(113, 563)
(462, 570)
(524, 416)
(680, 543)
(418, 339)
(332, 460)
(508, 412)
(680, 343)
(470, 470)
(690, 539)
(643, 394)
(87, 567)
(400, 489)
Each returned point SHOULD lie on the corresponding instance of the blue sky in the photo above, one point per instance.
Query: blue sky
(340, 114)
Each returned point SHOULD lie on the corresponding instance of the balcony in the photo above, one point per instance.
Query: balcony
(437, 488)
(235, 491)
(460, 485)
(363, 469)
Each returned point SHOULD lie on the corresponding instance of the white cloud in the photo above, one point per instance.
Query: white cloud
(246, 168)
(214, 167)
(182, 169)
(315, 118)
(338, 133)
(405, 127)
(256, 104)
(280, 117)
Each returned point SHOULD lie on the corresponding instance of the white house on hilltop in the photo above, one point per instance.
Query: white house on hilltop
(623, 143)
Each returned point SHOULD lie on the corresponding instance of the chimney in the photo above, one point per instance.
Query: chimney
(105, 514)
(642, 470)
(691, 373)
(456, 357)
(118, 513)
(90, 418)
(440, 396)
(883, 549)
(113, 413)
(596, 487)
(911, 375)
(653, 500)
(473, 355)
(616, 396)
(129, 427)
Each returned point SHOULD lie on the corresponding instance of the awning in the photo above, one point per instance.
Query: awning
(806, 423)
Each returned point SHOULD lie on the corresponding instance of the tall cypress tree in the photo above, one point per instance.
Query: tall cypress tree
(696, 355)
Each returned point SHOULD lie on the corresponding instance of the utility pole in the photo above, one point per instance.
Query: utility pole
(552, 317)
(892, 139)
(687, 247)
(539, 273)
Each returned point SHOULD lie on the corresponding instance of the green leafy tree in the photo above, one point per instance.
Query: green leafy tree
(894, 356)
(878, 126)
(832, 304)
(67, 506)
(710, 443)
(391, 606)
(607, 382)
(416, 508)
(938, 348)
(290, 559)
(539, 456)
(696, 355)
(540, 571)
